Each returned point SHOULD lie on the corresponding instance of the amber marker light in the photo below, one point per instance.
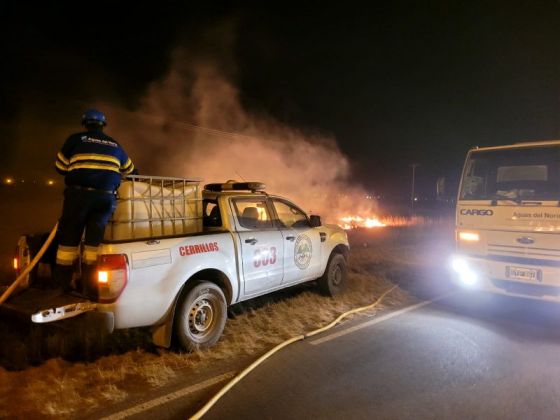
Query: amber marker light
(16, 263)
(469, 236)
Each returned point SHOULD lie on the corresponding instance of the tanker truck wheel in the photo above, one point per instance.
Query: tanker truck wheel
(200, 317)
(333, 280)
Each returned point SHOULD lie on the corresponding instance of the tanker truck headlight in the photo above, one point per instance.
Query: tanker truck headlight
(466, 274)
(469, 236)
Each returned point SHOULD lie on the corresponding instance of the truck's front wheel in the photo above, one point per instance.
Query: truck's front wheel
(201, 316)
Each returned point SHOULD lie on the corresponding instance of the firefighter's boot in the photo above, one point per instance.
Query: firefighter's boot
(63, 277)
(89, 281)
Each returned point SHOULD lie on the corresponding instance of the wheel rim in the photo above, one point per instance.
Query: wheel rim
(336, 275)
(201, 317)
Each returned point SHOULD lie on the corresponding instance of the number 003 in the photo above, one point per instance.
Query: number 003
(264, 257)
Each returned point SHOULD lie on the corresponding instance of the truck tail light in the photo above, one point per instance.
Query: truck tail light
(112, 276)
(21, 255)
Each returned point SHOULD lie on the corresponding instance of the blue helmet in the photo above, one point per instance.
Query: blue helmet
(94, 117)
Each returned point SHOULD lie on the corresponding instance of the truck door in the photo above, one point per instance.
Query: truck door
(261, 245)
(302, 243)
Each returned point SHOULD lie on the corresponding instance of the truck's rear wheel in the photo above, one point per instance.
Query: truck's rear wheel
(201, 317)
(333, 281)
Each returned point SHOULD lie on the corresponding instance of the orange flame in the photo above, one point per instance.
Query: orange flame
(352, 222)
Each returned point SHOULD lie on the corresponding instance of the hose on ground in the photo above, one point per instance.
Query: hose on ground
(280, 346)
(30, 267)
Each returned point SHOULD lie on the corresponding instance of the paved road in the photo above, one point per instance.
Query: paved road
(466, 356)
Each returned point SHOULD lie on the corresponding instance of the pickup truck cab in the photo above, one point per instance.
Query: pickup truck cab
(249, 243)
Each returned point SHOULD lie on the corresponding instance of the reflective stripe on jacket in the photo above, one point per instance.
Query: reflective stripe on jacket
(93, 159)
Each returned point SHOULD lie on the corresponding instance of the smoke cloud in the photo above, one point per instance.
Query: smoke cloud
(191, 124)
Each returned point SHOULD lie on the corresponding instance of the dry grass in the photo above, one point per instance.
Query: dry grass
(67, 389)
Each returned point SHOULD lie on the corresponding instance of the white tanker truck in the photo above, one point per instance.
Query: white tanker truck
(508, 221)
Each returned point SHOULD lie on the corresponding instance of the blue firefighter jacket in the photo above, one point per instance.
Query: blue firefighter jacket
(93, 159)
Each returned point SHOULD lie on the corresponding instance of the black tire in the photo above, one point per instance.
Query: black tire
(200, 316)
(333, 280)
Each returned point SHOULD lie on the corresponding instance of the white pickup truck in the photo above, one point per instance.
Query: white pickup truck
(178, 269)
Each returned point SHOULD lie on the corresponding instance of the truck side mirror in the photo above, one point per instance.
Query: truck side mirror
(315, 220)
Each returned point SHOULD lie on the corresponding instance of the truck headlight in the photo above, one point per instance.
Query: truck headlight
(469, 236)
(466, 274)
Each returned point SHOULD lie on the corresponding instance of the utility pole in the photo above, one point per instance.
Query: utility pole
(412, 194)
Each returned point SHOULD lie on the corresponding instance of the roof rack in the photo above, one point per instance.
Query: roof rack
(236, 186)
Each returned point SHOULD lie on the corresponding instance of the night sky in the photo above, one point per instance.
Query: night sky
(395, 82)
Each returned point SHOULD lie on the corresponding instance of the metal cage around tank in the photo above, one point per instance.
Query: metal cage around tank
(169, 207)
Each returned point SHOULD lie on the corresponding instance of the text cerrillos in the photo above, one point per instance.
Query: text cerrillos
(198, 249)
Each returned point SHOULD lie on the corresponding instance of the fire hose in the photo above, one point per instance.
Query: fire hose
(29, 267)
(280, 346)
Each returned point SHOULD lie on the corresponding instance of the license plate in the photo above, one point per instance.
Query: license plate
(522, 273)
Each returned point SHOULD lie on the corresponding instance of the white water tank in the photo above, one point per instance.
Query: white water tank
(149, 207)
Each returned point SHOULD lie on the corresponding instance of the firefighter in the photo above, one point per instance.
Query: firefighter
(92, 164)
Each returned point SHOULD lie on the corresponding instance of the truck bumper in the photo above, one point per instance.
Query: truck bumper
(104, 320)
(88, 309)
(502, 277)
(46, 306)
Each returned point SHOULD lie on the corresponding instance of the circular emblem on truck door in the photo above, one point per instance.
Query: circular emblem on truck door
(302, 252)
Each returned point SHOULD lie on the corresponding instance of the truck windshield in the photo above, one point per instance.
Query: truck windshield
(526, 173)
